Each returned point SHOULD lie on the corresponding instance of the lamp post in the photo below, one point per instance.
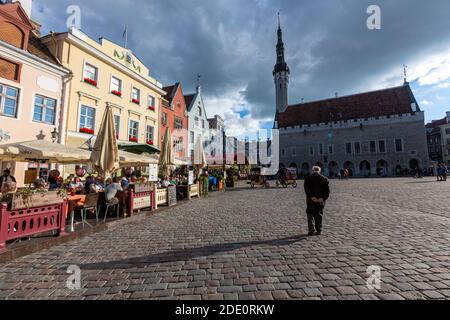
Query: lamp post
(55, 135)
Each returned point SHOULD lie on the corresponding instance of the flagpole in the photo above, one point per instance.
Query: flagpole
(126, 36)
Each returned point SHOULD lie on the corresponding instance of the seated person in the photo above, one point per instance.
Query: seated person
(166, 182)
(111, 191)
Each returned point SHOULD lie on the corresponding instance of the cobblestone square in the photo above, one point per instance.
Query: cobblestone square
(252, 244)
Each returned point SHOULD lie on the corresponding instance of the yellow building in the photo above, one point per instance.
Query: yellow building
(107, 74)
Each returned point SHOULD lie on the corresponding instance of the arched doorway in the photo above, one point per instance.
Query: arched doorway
(382, 168)
(293, 165)
(350, 167)
(414, 164)
(305, 169)
(365, 168)
(333, 168)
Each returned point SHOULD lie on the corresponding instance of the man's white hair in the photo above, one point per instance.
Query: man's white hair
(317, 169)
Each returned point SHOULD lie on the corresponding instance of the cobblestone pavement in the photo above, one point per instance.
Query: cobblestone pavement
(251, 244)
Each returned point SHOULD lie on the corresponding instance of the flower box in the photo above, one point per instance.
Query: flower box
(90, 81)
(150, 142)
(116, 93)
(87, 131)
(133, 139)
(136, 101)
(151, 108)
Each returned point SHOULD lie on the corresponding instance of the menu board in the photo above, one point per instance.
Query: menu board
(191, 178)
(153, 173)
(172, 196)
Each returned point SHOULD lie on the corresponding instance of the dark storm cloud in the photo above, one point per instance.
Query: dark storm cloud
(231, 43)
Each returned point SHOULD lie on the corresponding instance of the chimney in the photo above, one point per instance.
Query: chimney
(27, 5)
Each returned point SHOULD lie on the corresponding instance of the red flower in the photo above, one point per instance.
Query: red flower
(136, 101)
(90, 81)
(151, 108)
(117, 93)
(131, 139)
(150, 142)
(87, 130)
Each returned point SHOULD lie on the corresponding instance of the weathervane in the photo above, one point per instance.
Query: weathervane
(198, 79)
(279, 21)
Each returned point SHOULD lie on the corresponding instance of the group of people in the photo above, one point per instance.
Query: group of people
(8, 183)
(442, 172)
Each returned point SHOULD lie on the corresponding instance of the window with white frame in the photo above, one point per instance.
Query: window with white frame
(117, 125)
(116, 85)
(398, 145)
(136, 95)
(330, 149)
(178, 123)
(151, 101)
(382, 146)
(373, 146)
(44, 110)
(348, 148)
(134, 130)
(357, 147)
(200, 111)
(164, 118)
(90, 72)
(150, 134)
(311, 151)
(87, 118)
(9, 98)
(320, 149)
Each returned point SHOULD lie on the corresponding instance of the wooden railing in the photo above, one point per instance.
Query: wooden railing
(161, 197)
(194, 191)
(22, 223)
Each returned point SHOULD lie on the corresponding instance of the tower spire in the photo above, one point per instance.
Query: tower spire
(281, 74)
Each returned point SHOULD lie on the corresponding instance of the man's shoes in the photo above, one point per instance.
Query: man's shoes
(318, 233)
(310, 234)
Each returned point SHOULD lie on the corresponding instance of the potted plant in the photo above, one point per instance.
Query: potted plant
(132, 139)
(116, 93)
(135, 101)
(151, 108)
(90, 81)
(86, 130)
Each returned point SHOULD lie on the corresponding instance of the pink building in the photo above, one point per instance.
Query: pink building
(32, 86)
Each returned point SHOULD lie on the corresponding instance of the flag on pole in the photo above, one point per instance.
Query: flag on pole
(125, 36)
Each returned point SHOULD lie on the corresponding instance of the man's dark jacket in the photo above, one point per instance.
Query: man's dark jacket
(316, 186)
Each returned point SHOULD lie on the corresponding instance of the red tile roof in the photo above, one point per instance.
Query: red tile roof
(387, 102)
(189, 99)
(436, 123)
(170, 92)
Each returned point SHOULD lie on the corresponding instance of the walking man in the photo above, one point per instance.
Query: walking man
(317, 189)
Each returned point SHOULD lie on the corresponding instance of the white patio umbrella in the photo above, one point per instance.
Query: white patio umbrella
(166, 158)
(105, 154)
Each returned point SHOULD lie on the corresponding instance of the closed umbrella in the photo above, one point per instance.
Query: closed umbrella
(199, 160)
(166, 159)
(105, 154)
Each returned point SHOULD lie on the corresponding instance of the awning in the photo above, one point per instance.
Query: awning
(138, 148)
(48, 152)
(128, 159)
(43, 151)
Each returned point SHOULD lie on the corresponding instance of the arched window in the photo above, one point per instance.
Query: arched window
(200, 111)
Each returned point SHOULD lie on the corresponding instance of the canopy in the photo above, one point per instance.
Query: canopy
(43, 151)
(105, 154)
(128, 159)
(138, 148)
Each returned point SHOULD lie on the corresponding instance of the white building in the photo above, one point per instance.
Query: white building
(198, 120)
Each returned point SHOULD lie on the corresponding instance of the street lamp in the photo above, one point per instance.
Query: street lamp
(55, 135)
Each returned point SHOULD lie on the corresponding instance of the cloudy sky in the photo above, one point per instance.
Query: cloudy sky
(231, 43)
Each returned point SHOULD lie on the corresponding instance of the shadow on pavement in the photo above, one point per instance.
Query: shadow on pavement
(187, 254)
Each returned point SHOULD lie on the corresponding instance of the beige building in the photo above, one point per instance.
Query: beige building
(107, 74)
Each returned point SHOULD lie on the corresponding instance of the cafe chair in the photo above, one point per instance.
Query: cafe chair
(89, 205)
(115, 208)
